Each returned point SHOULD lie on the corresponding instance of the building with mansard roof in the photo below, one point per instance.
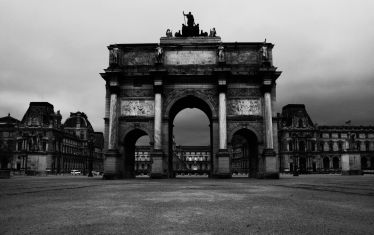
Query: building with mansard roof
(309, 148)
(42, 144)
(8, 127)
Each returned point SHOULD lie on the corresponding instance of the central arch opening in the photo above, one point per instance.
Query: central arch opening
(190, 138)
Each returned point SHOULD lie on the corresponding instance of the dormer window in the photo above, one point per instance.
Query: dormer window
(301, 125)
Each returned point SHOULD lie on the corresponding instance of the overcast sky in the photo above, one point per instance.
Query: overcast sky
(54, 50)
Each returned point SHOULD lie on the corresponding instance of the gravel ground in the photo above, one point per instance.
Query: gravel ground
(311, 204)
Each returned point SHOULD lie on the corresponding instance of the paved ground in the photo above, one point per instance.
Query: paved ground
(314, 204)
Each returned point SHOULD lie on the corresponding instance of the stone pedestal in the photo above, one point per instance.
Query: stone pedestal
(223, 165)
(159, 165)
(351, 164)
(112, 164)
(271, 170)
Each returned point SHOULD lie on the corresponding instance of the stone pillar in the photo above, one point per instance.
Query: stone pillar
(222, 121)
(223, 167)
(113, 121)
(112, 156)
(271, 169)
(158, 120)
(268, 121)
(159, 162)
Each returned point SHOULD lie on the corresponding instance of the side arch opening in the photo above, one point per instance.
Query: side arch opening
(244, 161)
(136, 154)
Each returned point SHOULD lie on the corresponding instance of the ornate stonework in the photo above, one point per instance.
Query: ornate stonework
(137, 93)
(137, 108)
(244, 107)
(174, 94)
(243, 92)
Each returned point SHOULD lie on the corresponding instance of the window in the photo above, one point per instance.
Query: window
(358, 145)
(300, 123)
(331, 146)
(340, 146)
(302, 146)
(312, 145)
(290, 146)
(321, 145)
(367, 146)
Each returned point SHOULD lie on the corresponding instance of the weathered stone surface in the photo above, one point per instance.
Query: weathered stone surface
(137, 108)
(244, 107)
(190, 57)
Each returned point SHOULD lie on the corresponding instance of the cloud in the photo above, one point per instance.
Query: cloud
(54, 50)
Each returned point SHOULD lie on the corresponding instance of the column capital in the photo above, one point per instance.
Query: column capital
(222, 85)
(158, 77)
(114, 89)
(157, 86)
(267, 85)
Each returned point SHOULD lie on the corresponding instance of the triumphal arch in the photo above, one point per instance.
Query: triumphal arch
(234, 84)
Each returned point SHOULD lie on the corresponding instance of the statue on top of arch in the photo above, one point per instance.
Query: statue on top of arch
(190, 29)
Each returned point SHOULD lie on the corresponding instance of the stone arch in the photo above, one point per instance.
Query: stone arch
(326, 163)
(128, 150)
(173, 108)
(249, 128)
(148, 132)
(171, 100)
(245, 142)
(335, 163)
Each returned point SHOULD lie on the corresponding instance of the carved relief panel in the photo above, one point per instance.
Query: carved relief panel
(137, 108)
(244, 107)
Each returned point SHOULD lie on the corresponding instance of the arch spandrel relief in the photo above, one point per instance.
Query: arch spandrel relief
(137, 108)
(244, 107)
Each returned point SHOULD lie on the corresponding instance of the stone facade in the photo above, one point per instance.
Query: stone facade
(147, 85)
(310, 148)
(42, 144)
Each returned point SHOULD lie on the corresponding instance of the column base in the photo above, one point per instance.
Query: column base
(270, 165)
(111, 165)
(223, 165)
(159, 170)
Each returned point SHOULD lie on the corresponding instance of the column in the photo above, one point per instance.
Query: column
(158, 120)
(159, 161)
(112, 160)
(271, 169)
(268, 121)
(222, 121)
(113, 120)
(222, 164)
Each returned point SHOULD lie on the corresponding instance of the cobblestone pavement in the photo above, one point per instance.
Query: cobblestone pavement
(307, 204)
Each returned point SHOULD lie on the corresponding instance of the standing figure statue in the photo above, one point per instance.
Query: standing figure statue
(212, 32)
(113, 57)
(221, 53)
(159, 54)
(190, 19)
(169, 33)
(264, 51)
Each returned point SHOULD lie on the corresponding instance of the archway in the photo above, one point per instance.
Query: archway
(244, 153)
(143, 161)
(196, 159)
(335, 163)
(364, 163)
(326, 163)
(129, 152)
(303, 165)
